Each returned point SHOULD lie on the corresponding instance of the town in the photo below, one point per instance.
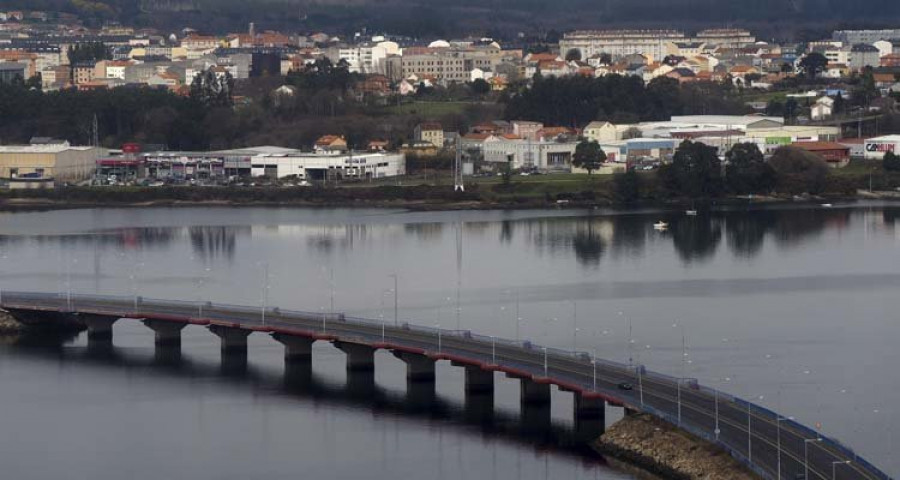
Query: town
(835, 99)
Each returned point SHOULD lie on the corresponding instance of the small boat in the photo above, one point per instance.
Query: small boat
(827, 205)
(660, 225)
(690, 213)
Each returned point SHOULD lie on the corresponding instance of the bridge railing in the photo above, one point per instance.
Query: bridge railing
(71, 300)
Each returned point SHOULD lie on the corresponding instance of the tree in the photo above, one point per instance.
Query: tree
(695, 171)
(838, 107)
(790, 109)
(213, 90)
(798, 171)
(480, 87)
(746, 171)
(588, 155)
(627, 186)
(573, 54)
(891, 162)
(813, 64)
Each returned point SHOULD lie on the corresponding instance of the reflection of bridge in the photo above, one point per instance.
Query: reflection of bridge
(763, 440)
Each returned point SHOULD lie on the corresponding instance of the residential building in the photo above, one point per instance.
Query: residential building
(330, 143)
(864, 36)
(83, 73)
(526, 154)
(9, 71)
(618, 43)
(601, 132)
(431, 133)
(447, 65)
(863, 55)
(822, 109)
(526, 130)
(725, 38)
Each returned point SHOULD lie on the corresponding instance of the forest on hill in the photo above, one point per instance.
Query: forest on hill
(499, 18)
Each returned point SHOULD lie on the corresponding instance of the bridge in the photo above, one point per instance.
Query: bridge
(773, 446)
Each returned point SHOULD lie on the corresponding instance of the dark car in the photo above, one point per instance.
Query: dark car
(626, 386)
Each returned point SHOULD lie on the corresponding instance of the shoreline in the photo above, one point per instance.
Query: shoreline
(51, 204)
(662, 450)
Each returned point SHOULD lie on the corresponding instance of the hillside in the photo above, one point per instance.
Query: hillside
(429, 18)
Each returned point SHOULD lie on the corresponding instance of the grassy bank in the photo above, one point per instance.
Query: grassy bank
(424, 192)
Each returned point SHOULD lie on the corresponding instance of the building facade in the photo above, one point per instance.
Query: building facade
(619, 43)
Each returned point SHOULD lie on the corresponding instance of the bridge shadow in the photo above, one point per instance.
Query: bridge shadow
(532, 427)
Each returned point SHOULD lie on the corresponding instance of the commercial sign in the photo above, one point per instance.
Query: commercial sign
(877, 149)
(778, 140)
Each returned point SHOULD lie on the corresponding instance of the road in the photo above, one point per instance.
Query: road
(750, 433)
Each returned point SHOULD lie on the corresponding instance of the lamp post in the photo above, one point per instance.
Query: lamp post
(574, 326)
(778, 421)
(806, 442)
(493, 350)
(834, 467)
(518, 318)
(594, 368)
(440, 347)
(265, 292)
(545, 362)
(396, 322)
(630, 339)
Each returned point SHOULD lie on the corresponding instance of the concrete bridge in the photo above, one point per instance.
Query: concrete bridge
(769, 444)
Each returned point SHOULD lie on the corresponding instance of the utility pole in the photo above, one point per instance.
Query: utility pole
(458, 184)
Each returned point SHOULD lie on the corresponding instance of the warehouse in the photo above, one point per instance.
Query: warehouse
(60, 162)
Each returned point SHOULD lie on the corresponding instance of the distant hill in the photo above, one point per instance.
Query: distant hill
(431, 18)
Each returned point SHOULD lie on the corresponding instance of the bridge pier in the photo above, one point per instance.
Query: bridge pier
(168, 334)
(360, 358)
(296, 349)
(590, 417)
(419, 368)
(533, 393)
(535, 418)
(99, 327)
(361, 383)
(478, 380)
(234, 340)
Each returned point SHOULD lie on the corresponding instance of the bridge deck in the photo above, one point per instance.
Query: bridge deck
(707, 413)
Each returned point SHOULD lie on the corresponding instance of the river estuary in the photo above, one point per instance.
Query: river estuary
(793, 308)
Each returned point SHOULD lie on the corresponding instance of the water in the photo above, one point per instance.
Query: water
(796, 306)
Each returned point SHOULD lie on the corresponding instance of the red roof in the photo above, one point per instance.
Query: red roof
(820, 146)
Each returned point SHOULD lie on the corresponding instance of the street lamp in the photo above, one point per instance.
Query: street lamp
(440, 347)
(806, 442)
(265, 293)
(630, 339)
(594, 368)
(518, 318)
(493, 350)
(749, 432)
(545, 362)
(834, 467)
(395, 298)
(778, 421)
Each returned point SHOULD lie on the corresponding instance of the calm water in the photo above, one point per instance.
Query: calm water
(795, 308)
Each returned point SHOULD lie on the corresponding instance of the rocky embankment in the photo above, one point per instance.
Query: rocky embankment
(668, 452)
(9, 325)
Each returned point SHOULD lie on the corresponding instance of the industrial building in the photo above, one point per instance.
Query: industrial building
(273, 162)
(59, 162)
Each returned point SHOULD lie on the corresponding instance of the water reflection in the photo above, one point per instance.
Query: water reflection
(590, 238)
(531, 428)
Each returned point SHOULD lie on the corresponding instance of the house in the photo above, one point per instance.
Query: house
(600, 132)
(526, 130)
(330, 143)
(683, 75)
(836, 154)
(822, 109)
(83, 72)
(430, 132)
(377, 145)
(863, 55)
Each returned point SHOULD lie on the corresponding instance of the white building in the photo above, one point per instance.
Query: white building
(619, 43)
(878, 146)
(319, 166)
(526, 154)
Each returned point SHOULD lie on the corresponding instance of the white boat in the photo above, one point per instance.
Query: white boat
(690, 213)
(827, 205)
(660, 225)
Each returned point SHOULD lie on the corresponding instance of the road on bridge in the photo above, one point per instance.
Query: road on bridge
(750, 433)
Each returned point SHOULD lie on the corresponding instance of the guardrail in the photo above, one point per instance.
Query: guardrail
(69, 302)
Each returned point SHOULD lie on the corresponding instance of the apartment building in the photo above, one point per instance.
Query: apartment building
(619, 43)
